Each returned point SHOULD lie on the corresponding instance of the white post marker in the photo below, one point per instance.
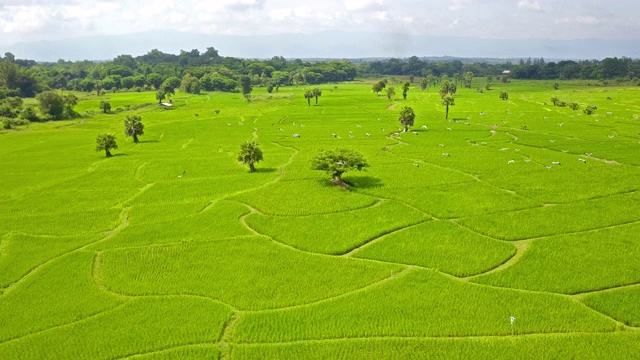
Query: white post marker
(513, 320)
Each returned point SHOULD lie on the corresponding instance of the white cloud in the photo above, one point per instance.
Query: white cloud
(581, 20)
(529, 5)
(457, 5)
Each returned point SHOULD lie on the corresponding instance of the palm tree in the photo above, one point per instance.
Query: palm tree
(406, 117)
(405, 89)
(133, 127)
(106, 142)
(447, 101)
(250, 154)
(308, 95)
(317, 92)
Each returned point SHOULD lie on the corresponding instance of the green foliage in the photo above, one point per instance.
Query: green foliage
(391, 92)
(504, 95)
(316, 93)
(106, 142)
(337, 162)
(133, 127)
(407, 116)
(379, 86)
(574, 106)
(170, 85)
(405, 89)
(308, 95)
(245, 85)
(160, 95)
(51, 104)
(448, 100)
(590, 109)
(250, 153)
(190, 84)
(105, 106)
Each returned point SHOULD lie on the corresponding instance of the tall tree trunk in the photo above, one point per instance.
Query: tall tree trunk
(446, 115)
(135, 138)
(107, 152)
(309, 101)
(316, 99)
(252, 168)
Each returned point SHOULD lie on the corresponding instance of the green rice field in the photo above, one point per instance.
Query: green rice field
(509, 231)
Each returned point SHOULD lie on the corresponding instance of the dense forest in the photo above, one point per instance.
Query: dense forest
(193, 72)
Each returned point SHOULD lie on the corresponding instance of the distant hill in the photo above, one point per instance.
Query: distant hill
(330, 44)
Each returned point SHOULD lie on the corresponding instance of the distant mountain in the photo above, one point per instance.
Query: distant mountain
(330, 44)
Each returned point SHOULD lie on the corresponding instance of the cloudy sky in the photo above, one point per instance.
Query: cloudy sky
(31, 20)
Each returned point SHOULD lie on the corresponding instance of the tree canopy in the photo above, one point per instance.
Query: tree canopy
(133, 127)
(338, 161)
(407, 116)
(250, 154)
(106, 142)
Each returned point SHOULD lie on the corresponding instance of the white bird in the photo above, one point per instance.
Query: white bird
(561, 124)
(556, 163)
(588, 154)
(367, 134)
(415, 132)
(527, 160)
(255, 129)
(482, 113)
(228, 124)
(424, 126)
(301, 125)
(511, 161)
(446, 154)
(474, 144)
(416, 165)
(504, 149)
(609, 113)
(565, 151)
(351, 136)
(292, 123)
(382, 130)
(549, 167)
(334, 135)
(545, 117)
(449, 129)
(552, 141)
(583, 160)
(611, 136)
(441, 145)
(513, 319)
(296, 135)
(183, 172)
(281, 129)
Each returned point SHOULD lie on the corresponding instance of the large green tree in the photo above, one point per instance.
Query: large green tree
(250, 154)
(379, 86)
(133, 127)
(51, 104)
(337, 162)
(468, 79)
(106, 142)
(170, 85)
(245, 85)
(407, 116)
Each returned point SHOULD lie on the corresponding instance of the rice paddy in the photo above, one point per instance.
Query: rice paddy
(510, 231)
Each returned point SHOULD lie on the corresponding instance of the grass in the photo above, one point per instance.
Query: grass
(171, 249)
(247, 273)
(440, 245)
(422, 303)
(604, 259)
